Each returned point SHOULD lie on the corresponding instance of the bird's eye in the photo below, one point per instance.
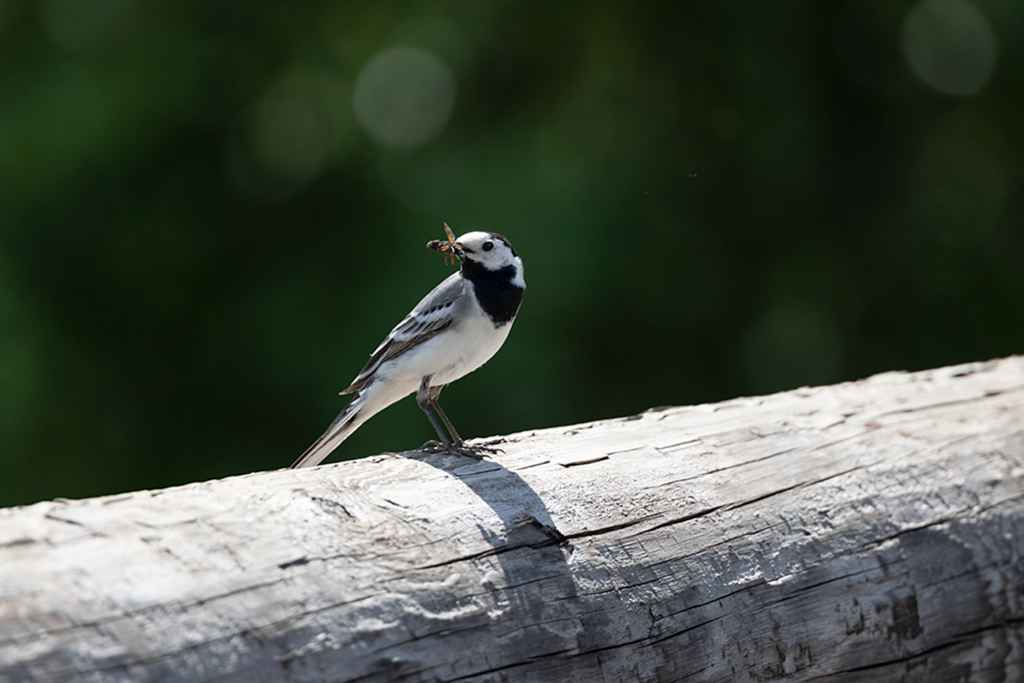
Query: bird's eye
(488, 246)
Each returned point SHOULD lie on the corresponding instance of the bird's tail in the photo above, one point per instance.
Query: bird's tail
(341, 428)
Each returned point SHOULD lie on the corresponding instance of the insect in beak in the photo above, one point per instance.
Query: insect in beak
(449, 248)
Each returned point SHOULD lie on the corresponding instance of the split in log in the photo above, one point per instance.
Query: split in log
(860, 532)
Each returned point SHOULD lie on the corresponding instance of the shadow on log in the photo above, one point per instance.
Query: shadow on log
(859, 532)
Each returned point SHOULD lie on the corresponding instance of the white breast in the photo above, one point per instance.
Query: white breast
(473, 342)
(451, 355)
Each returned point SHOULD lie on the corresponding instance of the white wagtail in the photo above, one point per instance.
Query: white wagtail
(450, 333)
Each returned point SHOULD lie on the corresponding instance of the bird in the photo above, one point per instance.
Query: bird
(451, 332)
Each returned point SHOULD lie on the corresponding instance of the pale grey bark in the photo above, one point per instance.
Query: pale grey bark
(860, 532)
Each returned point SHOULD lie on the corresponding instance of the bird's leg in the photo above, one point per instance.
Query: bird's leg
(457, 445)
(426, 405)
(434, 393)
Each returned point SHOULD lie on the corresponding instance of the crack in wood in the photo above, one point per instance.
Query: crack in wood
(959, 639)
(677, 520)
(802, 590)
(506, 667)
(127, 614)
(787, 489)
(610, 528)
(716, 470)
(249, 631)
(684, 631)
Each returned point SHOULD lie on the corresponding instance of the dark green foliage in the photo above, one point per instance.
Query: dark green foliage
(200, 243)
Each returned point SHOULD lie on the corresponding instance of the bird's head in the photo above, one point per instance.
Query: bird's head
(488, 250)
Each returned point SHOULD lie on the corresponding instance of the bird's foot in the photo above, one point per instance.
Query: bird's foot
(491, 445)
(476, 451)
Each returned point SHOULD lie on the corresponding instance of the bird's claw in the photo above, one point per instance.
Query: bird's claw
(475, 451)
(491, 445)
(485, 448)
(467, 451)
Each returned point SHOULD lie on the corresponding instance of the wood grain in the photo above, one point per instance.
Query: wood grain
(859, 532)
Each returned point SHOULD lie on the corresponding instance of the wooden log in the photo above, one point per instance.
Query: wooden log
(860, 532)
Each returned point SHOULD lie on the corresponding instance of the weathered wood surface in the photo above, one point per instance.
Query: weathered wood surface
(861, 532)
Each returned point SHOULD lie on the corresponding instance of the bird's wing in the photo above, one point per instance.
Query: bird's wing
(430, 317)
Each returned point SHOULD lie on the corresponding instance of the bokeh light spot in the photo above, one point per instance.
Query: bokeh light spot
(950, 46)
(290, 134)
(404, 97)
(289, 129)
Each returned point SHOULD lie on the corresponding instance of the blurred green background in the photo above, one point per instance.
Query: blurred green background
(210, 213)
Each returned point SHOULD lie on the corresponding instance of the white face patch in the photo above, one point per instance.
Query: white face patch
(487, 249)
(519, 280)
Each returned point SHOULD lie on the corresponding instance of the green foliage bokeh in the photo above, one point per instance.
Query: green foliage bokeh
(211, 213)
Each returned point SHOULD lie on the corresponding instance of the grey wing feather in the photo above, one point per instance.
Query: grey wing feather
(431, 316)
